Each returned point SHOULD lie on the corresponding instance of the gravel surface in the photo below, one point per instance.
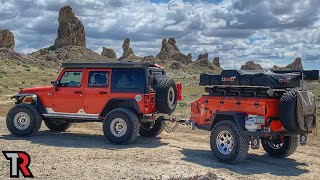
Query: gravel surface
(83, 153)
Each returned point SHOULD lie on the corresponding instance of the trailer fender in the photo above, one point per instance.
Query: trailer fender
(237, 117)
(35, 98)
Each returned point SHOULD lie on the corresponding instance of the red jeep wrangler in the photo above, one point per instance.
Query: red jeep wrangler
(129, 98)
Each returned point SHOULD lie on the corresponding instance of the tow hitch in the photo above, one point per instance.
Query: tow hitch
(171, 123)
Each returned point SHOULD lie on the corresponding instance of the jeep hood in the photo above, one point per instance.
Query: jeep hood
(36, 89)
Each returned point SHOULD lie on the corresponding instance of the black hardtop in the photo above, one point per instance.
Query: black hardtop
(126, 65)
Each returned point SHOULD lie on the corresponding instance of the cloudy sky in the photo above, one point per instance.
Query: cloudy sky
(266, 31)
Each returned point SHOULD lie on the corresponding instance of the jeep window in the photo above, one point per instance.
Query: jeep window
(98, 79)
(126, 79)
(71, 79)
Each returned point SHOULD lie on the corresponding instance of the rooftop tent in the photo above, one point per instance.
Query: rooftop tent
(272, 79)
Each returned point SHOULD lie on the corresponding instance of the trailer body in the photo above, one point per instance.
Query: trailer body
(242, 108)
(208, 109)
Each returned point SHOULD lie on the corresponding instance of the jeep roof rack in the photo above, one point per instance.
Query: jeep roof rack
(109, 65)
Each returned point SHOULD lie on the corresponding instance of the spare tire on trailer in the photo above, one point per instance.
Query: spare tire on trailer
(166, 96)
(288, 110)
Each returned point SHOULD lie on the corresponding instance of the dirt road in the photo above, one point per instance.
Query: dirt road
(83, 153)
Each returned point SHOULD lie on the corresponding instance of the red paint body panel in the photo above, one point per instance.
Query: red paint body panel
(95, 98)
(44, 93)
(203, 110)
(146, 106)
(65, 99)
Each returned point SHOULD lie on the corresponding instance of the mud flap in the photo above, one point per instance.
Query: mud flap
(255, 142)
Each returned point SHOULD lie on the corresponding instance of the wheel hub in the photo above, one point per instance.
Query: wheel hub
(224, 142)
(171, 96)
(275, 142)
(21, 120)
(118, 127)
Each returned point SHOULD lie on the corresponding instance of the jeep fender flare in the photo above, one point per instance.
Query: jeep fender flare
(237, 117)
(20, 97)
(113, 103)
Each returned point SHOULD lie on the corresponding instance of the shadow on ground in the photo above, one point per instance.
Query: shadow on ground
(255, 164)
(75, 140)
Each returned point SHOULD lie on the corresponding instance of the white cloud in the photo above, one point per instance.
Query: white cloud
(267, 31)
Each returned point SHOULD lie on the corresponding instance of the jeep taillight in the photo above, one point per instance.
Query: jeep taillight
(146, 98)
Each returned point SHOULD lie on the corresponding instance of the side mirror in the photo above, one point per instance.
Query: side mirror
(55, 85)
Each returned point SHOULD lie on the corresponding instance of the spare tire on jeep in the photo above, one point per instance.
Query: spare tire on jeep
(166, 96)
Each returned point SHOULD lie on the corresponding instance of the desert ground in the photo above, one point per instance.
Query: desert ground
(83, 152)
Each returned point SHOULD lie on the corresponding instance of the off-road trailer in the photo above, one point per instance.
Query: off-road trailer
(243, 108)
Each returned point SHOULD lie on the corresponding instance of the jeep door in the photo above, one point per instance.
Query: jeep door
(97, 90)
(69, 96)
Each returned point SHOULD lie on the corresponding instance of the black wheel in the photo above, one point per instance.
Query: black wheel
(121, 126)
(57, 125)
(227, 143)
(23, 120)
(277, 147)
(166, 96)
(152, 129)
(288, 110)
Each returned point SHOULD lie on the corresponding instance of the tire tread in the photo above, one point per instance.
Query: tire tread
(242, 141)
(155, 131)
(289, 149)
(161, 95)
(29, 107)
(54, 127)
(135, 125)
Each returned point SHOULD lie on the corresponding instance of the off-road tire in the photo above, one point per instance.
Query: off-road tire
(131, 121)
(289, 146)
(154, 131)
(164, 88)
(288, 110)
(58, 126)
(32, 112)
(240, 148)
